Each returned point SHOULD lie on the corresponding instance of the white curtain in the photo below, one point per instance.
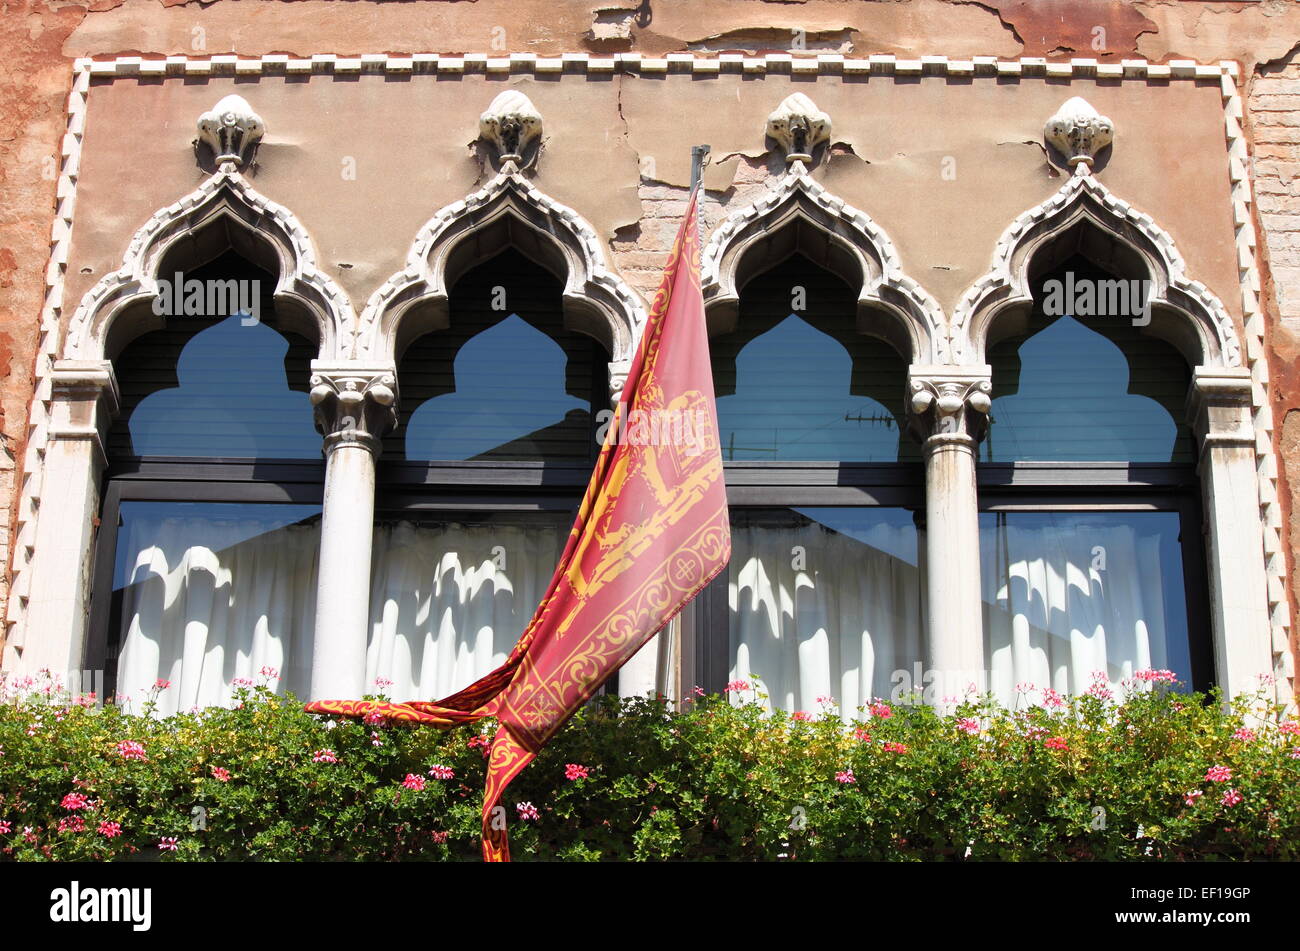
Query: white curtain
(1064, 598)
(816, 613)
(209, 601)
(447, 603)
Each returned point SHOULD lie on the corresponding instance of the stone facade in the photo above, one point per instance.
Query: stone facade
(42, 41)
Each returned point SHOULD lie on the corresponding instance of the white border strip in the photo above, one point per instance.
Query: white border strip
(1261, 407)
(822, 64)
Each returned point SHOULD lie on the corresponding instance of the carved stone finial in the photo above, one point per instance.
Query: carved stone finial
(231, 130)
(511, 123)
(799, 127)
(1079, 132)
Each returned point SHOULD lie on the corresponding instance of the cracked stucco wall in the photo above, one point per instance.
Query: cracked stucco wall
(40, 38)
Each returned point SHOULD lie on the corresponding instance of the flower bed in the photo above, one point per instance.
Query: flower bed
(1160, 775)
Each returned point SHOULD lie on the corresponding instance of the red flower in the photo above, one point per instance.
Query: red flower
(413, 781)
(72, 824)
(527, 811)
(1231, 797)
(895, 747)
(1245, 734)
(110, 830)
(1056, 743)
(324, 756)
(880, 709)
(802, 716)
(167, 843)
(969, 725)
(220, 774)
(130, 749)
(1218, 774)
(442, 772)
(440, 837)
(573, 771)
(161, 684)
(75, 800)
(5, 827)
(861, 735)
(845, 776)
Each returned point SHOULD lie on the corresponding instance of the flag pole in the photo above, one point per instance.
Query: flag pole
(698, 154)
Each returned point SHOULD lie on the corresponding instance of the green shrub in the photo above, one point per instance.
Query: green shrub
(1088, 779)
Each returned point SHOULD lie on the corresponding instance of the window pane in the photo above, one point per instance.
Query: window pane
(450, 599)
(498, 383)
(824, 602)
(210, 592)
(1070, 593)
(1086, 389)
(807, 385)
(218, 385)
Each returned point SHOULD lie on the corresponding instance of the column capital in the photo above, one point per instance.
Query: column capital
(85, 399)
(617, 378)
(949, 403)
(1218, 406)
(355, 403)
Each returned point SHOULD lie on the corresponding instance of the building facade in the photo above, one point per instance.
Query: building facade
(313, 368)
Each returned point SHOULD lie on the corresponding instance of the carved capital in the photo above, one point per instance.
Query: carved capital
(617, 380)
(512, 125)
(949, 403)
(799, 127)
(354, 404)
(84, 400)
(1219, 405)
(1079, 132)
(232, 130)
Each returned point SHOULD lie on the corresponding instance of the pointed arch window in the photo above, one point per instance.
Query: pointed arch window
(823, 595)
(205, 569)
(479, 484)
(1090, 524)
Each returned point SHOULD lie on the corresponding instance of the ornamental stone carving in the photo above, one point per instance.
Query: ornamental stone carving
(512, 125)
(354, 405)
(1079, 132)
(799, 127)
(955, 403)
(232, 130)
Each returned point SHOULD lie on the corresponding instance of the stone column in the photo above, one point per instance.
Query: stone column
(949, 407)
(355, 405)
(1219, 411)
(84, 400)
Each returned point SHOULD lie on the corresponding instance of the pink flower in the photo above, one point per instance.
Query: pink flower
(220, 774)
(1051, 698)
(861, 735)
(324, 756)
(1056, 743)
(1218, 774)
(270, 673)
(1100, 690)
(241, 682)
(880, 709)
(527, 811)
(375, 740)
(895, 747)
(1156, 676)
(167, 843)
(1231, 797)
(573, 771)
(1295, 753)
(845, 776)
(161, 684)
(72, 824)
(1191, 797)
(969, 725)
(736, 685)
(440, 837)
(383, 683)
(130, 749)
(1290, 728)
(442, 772)
(826, 701)
(1245, 734)
(697, 691)
(110, 830)
(374, 718)
(413, 781)
(5, 828)
(802, 716)
(75, 800)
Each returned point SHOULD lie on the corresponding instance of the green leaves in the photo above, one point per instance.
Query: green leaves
(1089, 780)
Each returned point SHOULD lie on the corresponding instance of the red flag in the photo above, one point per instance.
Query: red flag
(651, 532)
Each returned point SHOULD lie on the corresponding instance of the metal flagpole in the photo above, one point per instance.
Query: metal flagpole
(698, 154)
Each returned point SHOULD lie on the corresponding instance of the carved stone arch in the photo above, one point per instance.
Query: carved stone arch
(507, 212)
(224, 212)
(1083, 217)
(799, 215)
